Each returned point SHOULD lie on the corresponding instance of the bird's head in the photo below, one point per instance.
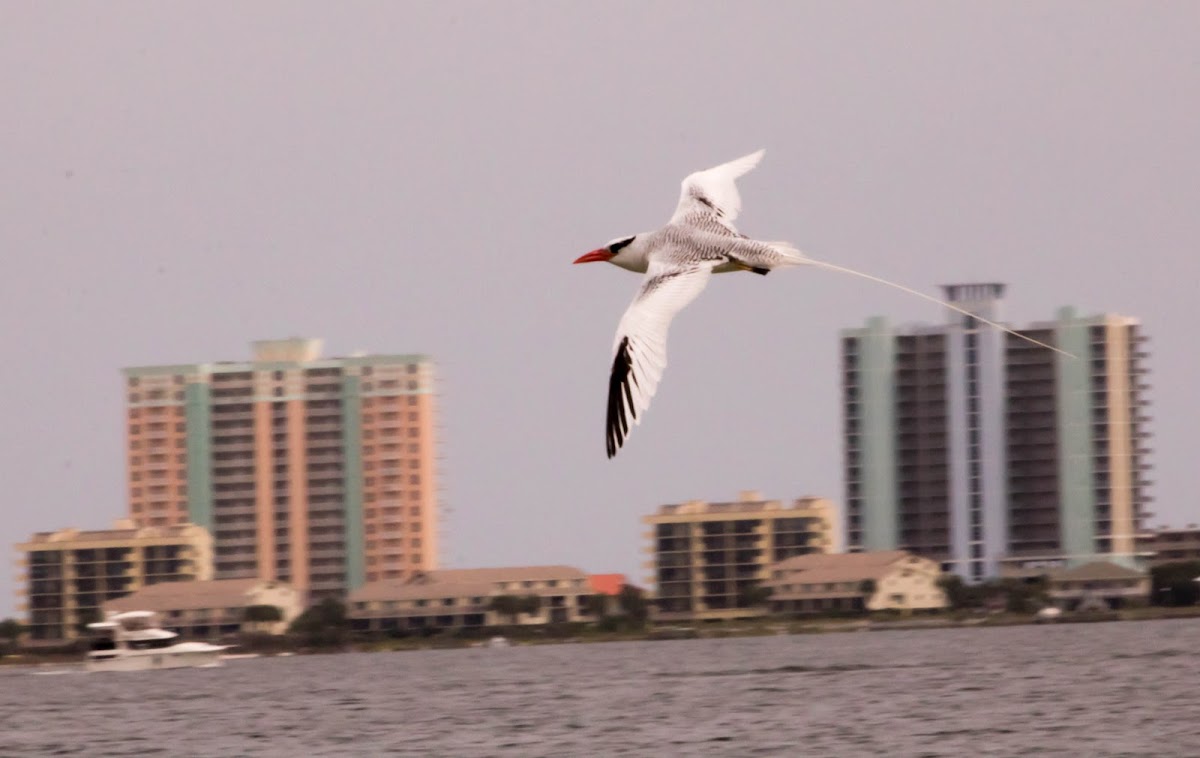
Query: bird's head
(612, 252)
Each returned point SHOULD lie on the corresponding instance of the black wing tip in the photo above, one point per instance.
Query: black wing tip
(620, 399)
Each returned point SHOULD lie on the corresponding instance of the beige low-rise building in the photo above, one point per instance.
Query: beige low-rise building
(466, 598)
(1099, 585)
(710, 558)
(890, 580)
(67, 575)
(1170, 544)
(211, 609)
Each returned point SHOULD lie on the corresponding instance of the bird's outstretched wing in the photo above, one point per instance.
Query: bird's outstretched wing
(640, 350)
(709, 199)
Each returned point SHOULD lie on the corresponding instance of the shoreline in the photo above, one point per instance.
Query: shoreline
(753, 627)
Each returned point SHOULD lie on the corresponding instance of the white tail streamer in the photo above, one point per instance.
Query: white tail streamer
(922, 295)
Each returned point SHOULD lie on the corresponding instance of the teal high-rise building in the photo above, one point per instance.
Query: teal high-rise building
(984, 452)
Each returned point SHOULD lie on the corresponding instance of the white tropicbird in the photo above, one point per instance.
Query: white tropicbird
(699, 240)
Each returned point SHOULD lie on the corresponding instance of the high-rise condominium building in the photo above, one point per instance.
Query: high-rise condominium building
(709, 558)
(319, 472)
(982, 451)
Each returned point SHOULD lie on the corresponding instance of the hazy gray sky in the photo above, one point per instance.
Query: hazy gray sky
(182, 178)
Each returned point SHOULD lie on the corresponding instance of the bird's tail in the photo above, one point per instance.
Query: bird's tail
(787, 254)
(923, 296)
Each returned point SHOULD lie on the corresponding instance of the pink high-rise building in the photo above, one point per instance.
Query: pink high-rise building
(315, 471)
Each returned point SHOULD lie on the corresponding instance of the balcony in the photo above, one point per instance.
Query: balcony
(325, 456)
(232, 447)
(325, 488)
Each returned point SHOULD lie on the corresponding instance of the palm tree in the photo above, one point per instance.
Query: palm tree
(633, 604)
(322, 625)
(10, 629)
(507, 605)
(262, 614)
(755, 596)
(531, 604)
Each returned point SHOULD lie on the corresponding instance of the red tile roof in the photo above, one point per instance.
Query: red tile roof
(607, 584)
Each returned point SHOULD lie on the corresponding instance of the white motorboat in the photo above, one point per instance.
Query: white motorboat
(1049, 613)
(134, 641)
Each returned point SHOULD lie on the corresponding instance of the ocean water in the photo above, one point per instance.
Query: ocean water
(1113, 689)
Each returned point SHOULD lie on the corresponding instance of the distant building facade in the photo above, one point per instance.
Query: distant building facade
(68, 575)
(211, 609)
(1170, 544)
(463, 599)
(1099, 585)
(980, 450)
(317, 472)
(891, 580)
(710, 557)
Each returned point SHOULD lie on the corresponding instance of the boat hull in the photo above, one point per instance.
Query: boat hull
(156, 659)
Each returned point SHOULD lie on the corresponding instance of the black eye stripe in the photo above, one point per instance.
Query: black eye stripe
(616, 246)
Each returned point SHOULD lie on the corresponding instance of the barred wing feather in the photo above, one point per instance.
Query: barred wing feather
(709, 199)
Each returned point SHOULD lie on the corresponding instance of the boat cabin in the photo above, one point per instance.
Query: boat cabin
(133, 630)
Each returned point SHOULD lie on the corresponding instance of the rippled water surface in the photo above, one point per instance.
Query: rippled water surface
(1078, 689)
